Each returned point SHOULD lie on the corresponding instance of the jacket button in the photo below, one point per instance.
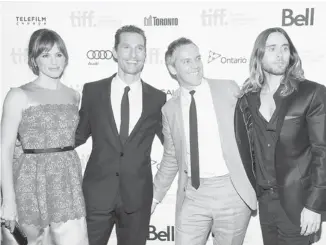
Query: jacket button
(186, 172)
(121, 154)
(116, 174)
(184, 189)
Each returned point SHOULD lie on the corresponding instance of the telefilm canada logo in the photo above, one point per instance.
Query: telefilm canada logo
(31, 20)
(156, 21)
(213, 56)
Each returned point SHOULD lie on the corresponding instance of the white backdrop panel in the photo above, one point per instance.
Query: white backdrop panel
(224, 31)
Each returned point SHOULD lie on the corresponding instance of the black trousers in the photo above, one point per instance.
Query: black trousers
(276, 227)
(131, 228)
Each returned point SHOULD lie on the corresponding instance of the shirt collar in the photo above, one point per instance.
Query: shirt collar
(276, 96)
(185, 92)
(133, 87)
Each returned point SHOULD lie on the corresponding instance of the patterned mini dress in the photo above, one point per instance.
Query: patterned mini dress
(48, 186)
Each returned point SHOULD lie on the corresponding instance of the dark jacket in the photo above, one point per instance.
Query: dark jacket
(114, 167)
(300, 156)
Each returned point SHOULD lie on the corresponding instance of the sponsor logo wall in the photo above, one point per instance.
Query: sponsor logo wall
(225, 33)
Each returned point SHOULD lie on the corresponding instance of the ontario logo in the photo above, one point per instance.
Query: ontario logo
(213, 56)
(156, 21)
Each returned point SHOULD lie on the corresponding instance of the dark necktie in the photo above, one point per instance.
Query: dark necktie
(124, 124)
(193, 131)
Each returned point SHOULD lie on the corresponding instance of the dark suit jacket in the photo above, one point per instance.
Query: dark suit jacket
(300, 158)
(114, 167)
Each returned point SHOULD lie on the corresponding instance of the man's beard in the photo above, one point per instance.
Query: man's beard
(275, 69)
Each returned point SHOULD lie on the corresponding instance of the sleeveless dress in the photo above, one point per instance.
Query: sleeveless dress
(48, 186)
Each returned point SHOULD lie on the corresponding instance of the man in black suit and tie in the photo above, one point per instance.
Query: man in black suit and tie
(123, 114)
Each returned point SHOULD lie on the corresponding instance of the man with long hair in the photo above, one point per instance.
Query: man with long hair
(280, 126)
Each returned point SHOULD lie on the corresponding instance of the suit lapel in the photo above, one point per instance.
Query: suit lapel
(284, 106)
(224, 100)
(106, 103)
(178, 128)
(216, 97)
(224, 117)
(147, 102)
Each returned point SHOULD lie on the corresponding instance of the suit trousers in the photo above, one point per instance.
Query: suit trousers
(215, 206)
(277, 228)
(131, 228)
(72, 232)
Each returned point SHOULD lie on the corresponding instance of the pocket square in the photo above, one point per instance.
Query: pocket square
(290, 117)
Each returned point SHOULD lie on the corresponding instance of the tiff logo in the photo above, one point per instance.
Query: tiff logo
(306, 19)
(19, 55)
(154, 56)
(82, 18)
(213, 17)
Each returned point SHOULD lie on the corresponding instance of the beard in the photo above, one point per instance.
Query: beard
(275, 68)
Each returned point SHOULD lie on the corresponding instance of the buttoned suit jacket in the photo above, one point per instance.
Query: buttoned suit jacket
(114, 167)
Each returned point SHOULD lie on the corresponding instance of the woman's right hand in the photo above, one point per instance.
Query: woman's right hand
(9, 215)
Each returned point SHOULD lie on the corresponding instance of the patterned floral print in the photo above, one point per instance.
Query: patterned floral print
(48, 185)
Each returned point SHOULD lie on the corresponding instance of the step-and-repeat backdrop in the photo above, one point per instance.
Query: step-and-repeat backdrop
(224, 31)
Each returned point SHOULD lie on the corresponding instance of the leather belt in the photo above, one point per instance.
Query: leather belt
(48, 150)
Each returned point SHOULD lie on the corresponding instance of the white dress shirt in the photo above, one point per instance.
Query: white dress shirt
(211, 160)
(135, 101)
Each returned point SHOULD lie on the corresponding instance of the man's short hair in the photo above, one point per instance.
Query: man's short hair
(128, 28)
(170, 53)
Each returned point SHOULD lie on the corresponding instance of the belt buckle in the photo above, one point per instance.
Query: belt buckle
(273, 190)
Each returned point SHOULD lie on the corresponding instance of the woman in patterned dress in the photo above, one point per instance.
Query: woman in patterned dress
(42, 189)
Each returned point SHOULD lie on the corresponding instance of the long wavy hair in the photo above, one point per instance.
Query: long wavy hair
(293, 74)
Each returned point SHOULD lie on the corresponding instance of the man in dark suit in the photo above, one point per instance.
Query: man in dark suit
(280, 126)
(122, 113)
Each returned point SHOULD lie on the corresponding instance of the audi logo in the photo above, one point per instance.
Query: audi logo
(99, 54)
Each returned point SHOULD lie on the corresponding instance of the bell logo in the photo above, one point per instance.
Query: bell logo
(299, 20)
(164, 236)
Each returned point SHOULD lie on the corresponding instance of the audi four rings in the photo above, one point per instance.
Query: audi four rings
(99, 54)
